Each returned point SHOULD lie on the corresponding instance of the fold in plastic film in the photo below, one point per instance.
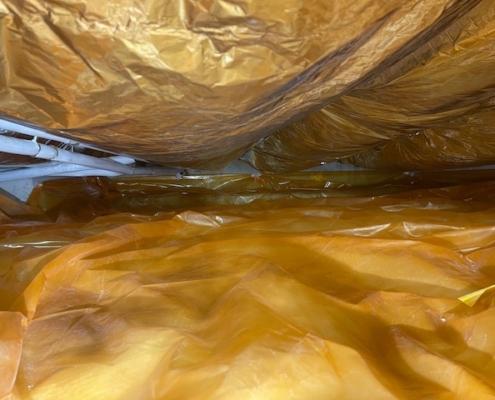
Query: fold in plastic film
(337, 297)
(433, 108)
(196, 83)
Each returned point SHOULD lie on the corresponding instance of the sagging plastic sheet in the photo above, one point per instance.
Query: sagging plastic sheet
(432, 109)
(343, 297)
(468, 140)
(191, 83)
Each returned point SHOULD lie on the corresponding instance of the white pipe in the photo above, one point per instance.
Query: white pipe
(120, 159)
(42, 170)
(59, 169)
(43, 151)
(39, 150)
(37, 132)
(26, 130)
(89, 172)
(54, 170)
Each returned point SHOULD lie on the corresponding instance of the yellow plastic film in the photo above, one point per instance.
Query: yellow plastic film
(431, 109)
(321, 297)
(196, 83)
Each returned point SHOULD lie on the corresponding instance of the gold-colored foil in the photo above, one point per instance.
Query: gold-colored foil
(468, 140)
(433, 108)
(345, 297)
(196, 82)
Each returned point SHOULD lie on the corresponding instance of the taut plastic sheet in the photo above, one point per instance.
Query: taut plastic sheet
(331, 297)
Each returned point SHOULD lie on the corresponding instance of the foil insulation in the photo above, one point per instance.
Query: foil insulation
(196, 83)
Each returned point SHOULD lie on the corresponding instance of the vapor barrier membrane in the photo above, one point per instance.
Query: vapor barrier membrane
(325, 293)
(433, 108)
(197, 83)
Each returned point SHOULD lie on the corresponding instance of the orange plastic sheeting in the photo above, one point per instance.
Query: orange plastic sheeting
(468, 140)
(336, 298)
(197, 82)
(433, 108)
(63, 199)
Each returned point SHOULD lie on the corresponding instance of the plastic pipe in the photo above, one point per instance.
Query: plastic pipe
(26, 130)
(59, 169)
(37, 132)
(39, 150)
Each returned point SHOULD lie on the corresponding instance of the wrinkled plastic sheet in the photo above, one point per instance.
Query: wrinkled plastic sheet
(434, 108)
(469, 140)
(336, 296)
(148, 195)
(196, 83)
